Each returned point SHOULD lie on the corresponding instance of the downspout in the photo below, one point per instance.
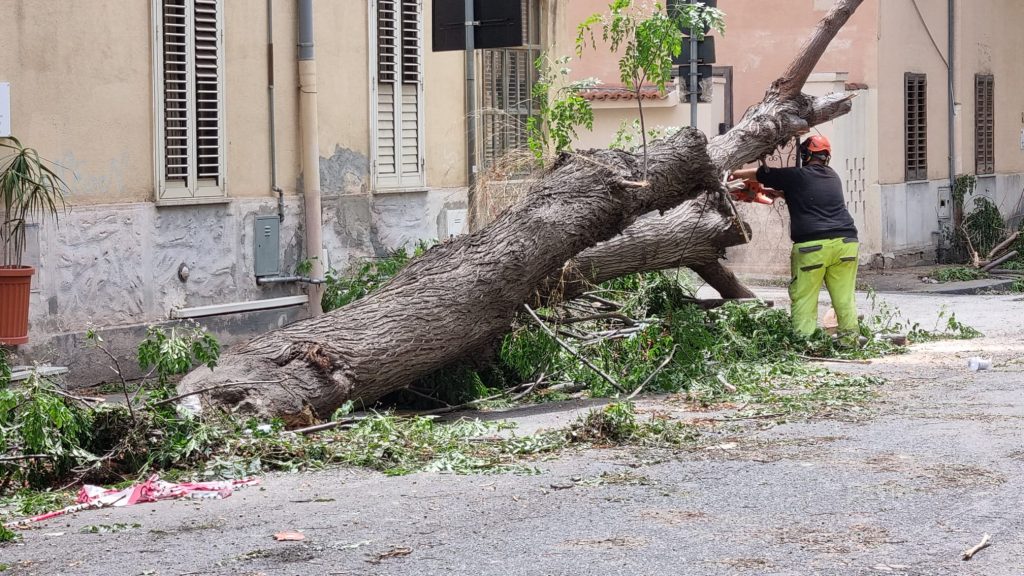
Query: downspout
(470, 95)
(952, 98)
(309, 127)
(274, 188)
(955, 209)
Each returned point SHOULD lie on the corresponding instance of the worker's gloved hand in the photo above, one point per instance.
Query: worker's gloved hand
(735, 184)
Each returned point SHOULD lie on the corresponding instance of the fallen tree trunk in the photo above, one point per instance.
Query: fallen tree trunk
(465, 293)
(694, 235)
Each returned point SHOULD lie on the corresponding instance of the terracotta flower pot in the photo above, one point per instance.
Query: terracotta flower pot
(15, 285)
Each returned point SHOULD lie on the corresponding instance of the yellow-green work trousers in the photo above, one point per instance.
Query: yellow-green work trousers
(834, 261)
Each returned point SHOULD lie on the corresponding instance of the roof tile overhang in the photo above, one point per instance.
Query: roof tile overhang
(618, 92)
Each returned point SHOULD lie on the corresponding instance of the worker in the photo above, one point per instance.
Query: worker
(824, 237)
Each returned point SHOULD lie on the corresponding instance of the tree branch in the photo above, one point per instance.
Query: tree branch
(792, 81)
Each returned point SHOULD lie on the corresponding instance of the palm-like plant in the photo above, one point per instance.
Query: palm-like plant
(29, 191)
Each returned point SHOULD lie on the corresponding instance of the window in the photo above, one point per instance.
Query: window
(398, 95)
(190, 108)
(984, 124)
(916, 126)
(508, 78)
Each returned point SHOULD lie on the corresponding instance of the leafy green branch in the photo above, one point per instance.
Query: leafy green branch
(561, 108)
(649, 39)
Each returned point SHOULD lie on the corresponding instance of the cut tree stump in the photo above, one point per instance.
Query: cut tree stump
(465, 293)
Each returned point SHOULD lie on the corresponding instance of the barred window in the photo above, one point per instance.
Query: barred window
(509, 76)
(984, 124)
(916, 126)
(190, 90)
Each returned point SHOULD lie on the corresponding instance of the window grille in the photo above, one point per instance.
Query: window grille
(916, 126)
(509, 76)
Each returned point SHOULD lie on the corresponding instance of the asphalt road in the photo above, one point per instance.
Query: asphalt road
(937, 465)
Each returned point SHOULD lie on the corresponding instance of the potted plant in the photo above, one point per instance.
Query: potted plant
(29, 192)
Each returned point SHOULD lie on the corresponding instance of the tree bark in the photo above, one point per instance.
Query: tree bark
(695, 235)
(465, 292)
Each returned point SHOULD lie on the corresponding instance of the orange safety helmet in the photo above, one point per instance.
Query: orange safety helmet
(816, 145)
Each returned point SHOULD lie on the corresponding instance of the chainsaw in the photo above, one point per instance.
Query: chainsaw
(751, 191)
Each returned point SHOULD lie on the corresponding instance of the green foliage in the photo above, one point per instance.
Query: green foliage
(629, 138)
(560, 108)
(169, 354)
(390, 444)
(963, 186)
(32, 503)
(6, 535)
(51, 431)
(614, 423)
(30, 191)
(885, 319)
(5, 368)
(1016, 263)
(646, 39)
(618, 423)
(984, 226)
(804, 390)
(366, 277)
(1017, 286)
(528, 351)
(947, 327)
(453, 385)
(958, 274)
(304, 267)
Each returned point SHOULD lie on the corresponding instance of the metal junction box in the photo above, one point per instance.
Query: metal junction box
(268, 245)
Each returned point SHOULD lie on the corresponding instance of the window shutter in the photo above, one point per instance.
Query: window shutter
(175, 91)
(190, 103)
(916, 126)
(410, 129)
(207, 64)
(386, 130)
(398, 112)
(410, 41)
(387, 41)
(984, 124)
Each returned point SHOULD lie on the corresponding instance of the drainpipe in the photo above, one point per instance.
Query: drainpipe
(273, 109)
(309, 127)
(952, 97)
(470, 95)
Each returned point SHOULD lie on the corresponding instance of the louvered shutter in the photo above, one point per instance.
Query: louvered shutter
(175, 88)
(191, 110)
(398, 114)
(984, 124)
(916, 126)
(207, 99)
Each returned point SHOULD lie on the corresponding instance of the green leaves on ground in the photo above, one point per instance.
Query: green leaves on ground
(958, 274)
(618, 423)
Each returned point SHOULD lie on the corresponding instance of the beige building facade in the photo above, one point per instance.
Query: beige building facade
(178, 126)
(894, 151)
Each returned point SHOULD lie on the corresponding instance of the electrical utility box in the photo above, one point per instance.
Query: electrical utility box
(267, 233)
